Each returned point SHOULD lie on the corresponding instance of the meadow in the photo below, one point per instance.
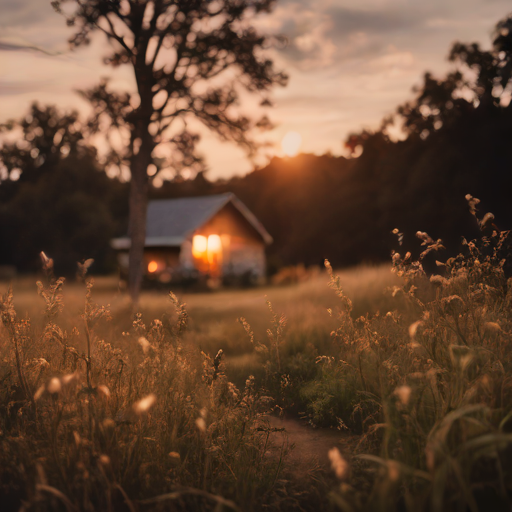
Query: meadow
(175, 408)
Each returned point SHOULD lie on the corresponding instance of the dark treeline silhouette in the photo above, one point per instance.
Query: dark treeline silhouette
(457, 142)
(56, 198)
(457, 133)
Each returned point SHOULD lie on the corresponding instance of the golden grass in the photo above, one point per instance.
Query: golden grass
(420, 367)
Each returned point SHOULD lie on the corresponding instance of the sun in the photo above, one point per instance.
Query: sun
(291, 143)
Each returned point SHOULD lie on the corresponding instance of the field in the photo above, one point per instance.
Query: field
(213, 316)
(364, 389)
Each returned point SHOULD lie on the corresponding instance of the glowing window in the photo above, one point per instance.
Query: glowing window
(199, 246)
(152, 266)
(214, 244)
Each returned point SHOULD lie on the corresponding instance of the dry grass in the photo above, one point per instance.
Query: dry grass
(97, 412)
(108, 415)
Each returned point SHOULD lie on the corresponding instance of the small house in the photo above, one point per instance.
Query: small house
(211, 236)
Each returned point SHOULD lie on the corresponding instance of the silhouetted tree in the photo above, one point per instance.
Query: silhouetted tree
(53, 194)
(37, 142)
(190, 58)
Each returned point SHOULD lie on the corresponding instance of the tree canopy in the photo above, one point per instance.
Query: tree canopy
(191, 59)
(54, 196)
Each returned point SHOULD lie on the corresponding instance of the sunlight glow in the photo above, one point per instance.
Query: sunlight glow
(291, 143)
(153, 266)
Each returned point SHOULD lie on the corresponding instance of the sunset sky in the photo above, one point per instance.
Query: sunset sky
(350, 63)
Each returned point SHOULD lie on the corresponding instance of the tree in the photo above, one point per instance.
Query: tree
(41, 139)
(190, 59)
(53, 194)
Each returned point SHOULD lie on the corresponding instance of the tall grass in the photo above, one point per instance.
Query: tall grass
(101, 411)
(430, 385)
(86, 424)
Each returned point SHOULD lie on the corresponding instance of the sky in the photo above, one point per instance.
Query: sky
(350, 63)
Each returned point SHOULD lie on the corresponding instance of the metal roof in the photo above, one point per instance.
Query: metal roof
(171, 221)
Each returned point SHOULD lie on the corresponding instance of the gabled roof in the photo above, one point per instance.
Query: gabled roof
(171, 221)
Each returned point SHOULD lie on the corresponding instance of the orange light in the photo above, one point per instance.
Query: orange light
(199, 246)
(214, 245)
(153, 266)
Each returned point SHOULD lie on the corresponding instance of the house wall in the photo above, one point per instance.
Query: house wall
(167, 258)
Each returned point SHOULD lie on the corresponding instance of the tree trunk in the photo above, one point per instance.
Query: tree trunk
(139, 186)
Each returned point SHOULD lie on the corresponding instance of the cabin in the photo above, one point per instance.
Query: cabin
(197, 238)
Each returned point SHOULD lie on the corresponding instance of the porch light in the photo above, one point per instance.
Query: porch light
(152, 266)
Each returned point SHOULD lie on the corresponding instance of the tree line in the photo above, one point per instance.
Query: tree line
(55, 195)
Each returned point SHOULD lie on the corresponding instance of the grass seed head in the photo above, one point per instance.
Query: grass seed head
(175, 458)
(54, 386)
(201, 424)
(404, 394)
(393, 470)
(143, 405)
(145, 345)
(103, 391)
(39, 392)
(338, 463)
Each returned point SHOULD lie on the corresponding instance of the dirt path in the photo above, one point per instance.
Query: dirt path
(310, 446)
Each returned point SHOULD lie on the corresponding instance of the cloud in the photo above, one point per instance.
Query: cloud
(15, 88)
(15, 47)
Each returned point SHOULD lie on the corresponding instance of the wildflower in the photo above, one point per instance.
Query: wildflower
(338, 463)
(54, 386)
(143, 405)
(404, 394)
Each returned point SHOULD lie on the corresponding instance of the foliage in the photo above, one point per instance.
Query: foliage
(58, 199)
(435, 392)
